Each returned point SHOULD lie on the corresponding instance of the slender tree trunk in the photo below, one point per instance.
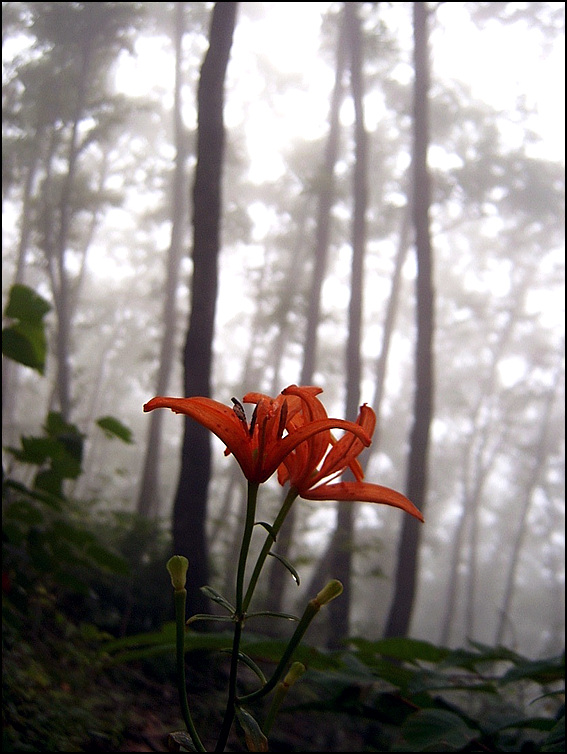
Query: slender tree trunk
(149, 503)
(478, 459)
(342, 557)
(62, 297)
(389, 321)
(537, 464)
(190, 506)
(10, 369)
(278, 576)
(406, 573)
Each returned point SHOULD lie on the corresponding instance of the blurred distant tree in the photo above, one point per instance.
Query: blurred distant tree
(343, 539)
(149, 494)
(529, 483)
(190, 506)
(60, 115)
(325, 188)
(416, 484)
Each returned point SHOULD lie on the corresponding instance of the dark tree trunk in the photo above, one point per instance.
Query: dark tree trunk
(416, 485)
(148, 500)
(190, 507)
(342, 556)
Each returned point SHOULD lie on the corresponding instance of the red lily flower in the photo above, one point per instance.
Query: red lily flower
(301, 469)
(261, 447)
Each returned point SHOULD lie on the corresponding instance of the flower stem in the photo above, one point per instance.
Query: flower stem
(288, 502)
(180, 597)
(239, 615)
(309, 613)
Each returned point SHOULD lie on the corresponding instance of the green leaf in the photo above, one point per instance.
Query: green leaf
(268, 528)
(108, 560)
(26, 305)
(208, 616)
(540, 671)
(50, 482)
(180, 740)
(255, 739)
(25, 344)
(555, 741)
(287, 564)
(249, 662)
(51, 501)
(24, 511)
(114, 428)
(24, 340)
(410, 650)
(213, 595)
(435, 730)
(271, 614)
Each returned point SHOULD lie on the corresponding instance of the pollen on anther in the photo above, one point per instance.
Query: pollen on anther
(238, 409)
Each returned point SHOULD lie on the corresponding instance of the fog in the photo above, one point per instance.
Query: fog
(88, 212)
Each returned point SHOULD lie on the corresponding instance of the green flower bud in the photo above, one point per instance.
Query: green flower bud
(295, 672)
(177, 567)
(329, 592)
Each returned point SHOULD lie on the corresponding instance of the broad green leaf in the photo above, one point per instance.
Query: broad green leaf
(410, 650)
(108, 560)
(71, 582)
(555, 741)
(79, 537)
(25, 344)
(114, 428)
(24, 340)
(24, 511)
(51, 501)
(435, 730)
(49, 481)
(26, 305)
(540, 671)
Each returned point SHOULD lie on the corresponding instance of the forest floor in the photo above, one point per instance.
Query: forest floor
(71, 702)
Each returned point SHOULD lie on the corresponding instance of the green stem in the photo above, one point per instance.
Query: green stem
(180, 597)
(288, 502)
(309, 613)
(239, 615)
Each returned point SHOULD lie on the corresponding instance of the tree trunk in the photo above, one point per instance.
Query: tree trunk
(190, 506)
(62, 296)
(537, 464)
(342, 557)
(278, 576)
(148, 499)
(406, 572)
(11, 369)
(479, 457)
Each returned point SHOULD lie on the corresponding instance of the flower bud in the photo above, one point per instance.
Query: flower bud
(177, 567)
(329, 592)
(295, 672)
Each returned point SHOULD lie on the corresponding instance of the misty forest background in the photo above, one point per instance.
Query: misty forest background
(403, 248)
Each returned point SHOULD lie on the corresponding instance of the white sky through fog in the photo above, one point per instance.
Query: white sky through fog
(502, 63)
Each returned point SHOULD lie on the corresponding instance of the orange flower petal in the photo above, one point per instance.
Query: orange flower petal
(221, 420)
(362, 492)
